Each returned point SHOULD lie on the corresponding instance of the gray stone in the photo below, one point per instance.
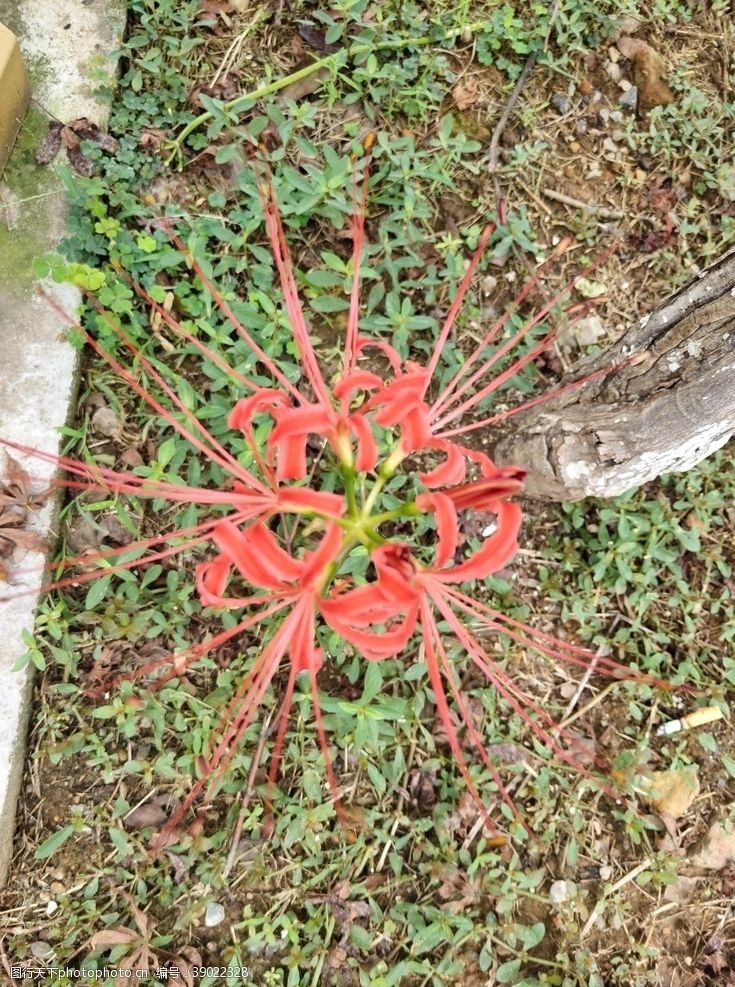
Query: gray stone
(214, 914)
(562, 104)
(613, 71)
(64, 46)
(629, 99)
(561, 891)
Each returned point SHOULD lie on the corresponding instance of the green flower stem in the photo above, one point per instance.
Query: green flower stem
(240, 102)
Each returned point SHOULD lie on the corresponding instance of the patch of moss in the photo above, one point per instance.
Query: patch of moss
(32, 188)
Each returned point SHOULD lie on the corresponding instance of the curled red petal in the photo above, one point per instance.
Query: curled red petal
(376, 645)
(497, 550)
(367, 450)
(267, 398)
(451, 471)
(360, 607)
(303, 498)
(308, 418)
(396, 572)
(315, 563)
(446, 525)
(211, 580)
(484, 495)
(305, 655)
(291, 463)
(358, 380)
(256, 554)
(415, 428)
(364, 343)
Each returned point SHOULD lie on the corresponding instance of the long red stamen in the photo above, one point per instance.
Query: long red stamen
(224, 454)
(555, 392)
(446, 397)
(238, 471)
(226, 310)
(467, 719)
(458, 299)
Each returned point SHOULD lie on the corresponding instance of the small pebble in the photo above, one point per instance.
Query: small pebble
(214, 915)
(614, 71)
(613, 53)
(574, 147)
(581, 126)
(51, 907)
(40, 949)
(562, 104)
(594, 171)
(605, 872)
(625, 85)
(616, 116)
(604, 114)
(561, 891)
(618, 135)
(629, 99)
(585, 87)
(588, 331)
(595, 97)
(488, 284)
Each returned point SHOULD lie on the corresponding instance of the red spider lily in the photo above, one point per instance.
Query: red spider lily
(371, 425)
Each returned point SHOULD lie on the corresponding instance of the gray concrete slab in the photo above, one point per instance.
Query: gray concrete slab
(65, 45)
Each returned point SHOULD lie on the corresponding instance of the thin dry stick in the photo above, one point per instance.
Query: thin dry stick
(595, 701)
(510, 106)
(247, 795)
(590, 669)
(597, 910)
(568, 200)
(6, 965)
(503, 122)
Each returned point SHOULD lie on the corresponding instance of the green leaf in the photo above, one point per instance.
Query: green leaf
(360, 937)
(166, 451)
(329, 303)
(52, 844)
(507, 972)
(96, 592)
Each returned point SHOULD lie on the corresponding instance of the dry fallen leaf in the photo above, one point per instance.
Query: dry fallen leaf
(717, 849)
(466, 93)
(106, 422)
(670, 792)
(649, 70)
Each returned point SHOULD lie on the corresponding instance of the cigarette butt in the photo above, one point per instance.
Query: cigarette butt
(697, 718)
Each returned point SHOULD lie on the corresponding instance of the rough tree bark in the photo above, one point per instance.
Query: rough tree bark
(665, 414)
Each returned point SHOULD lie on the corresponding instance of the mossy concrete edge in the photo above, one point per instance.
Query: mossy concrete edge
(63, 45)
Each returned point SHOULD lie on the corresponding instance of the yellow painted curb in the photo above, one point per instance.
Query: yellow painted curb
(15, 92)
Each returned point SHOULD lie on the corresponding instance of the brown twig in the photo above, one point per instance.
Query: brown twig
(568, 200)
(247, 795)
(503, 122)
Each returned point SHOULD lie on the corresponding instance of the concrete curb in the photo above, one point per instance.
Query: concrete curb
(65, 46)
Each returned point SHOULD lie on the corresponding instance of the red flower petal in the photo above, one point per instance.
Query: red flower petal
(498, 549)
(304, 498)
(451, 471)
(485, 494)
(446, 525)
(367, 450)
(256, 554)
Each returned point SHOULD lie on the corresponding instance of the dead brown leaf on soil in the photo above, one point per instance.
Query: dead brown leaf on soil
(70, 136)
(649, 71)
(466, 93)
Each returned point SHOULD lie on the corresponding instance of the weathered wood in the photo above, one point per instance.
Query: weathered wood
(665, 414)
